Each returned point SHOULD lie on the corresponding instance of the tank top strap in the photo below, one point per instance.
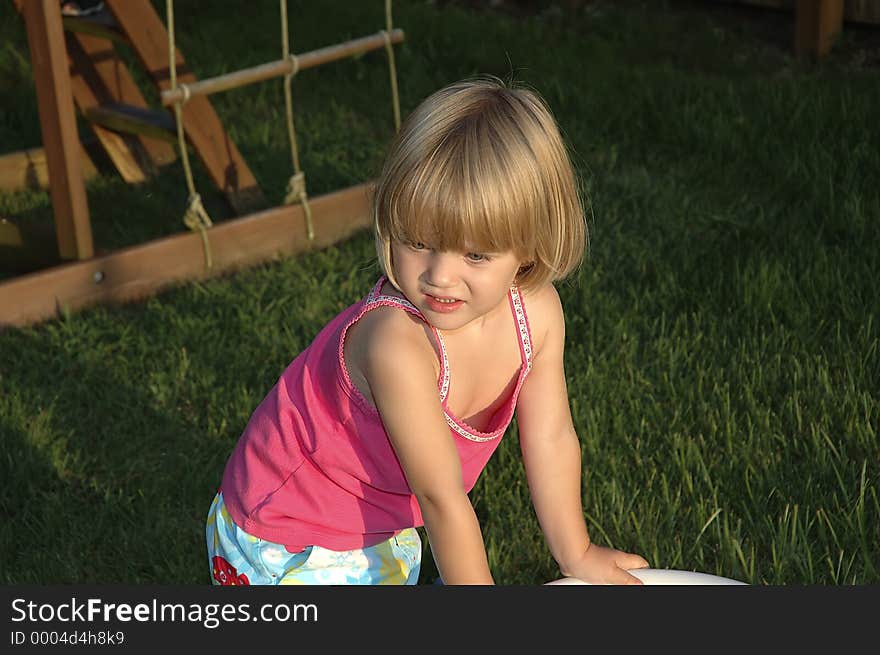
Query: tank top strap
(518, 307)
(376, 298)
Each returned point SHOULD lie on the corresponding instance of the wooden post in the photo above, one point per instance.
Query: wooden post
(58, 125)
(818, 23)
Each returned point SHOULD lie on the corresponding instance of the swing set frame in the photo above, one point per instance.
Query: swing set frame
(140, 271)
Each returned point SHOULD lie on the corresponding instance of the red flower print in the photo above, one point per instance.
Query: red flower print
(225, 573)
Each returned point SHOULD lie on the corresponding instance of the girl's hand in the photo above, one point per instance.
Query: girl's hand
(600, 565)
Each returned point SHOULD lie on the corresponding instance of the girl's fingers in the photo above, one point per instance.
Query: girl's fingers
(627, 578)
(630, 561)
(626, 563)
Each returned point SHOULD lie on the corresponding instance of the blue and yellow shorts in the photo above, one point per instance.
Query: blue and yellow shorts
(238, 558)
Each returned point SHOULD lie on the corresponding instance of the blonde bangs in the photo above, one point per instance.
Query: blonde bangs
(466, 198)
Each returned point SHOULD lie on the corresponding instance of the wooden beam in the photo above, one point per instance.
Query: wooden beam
(58, 124)
(224, 163)
(27, 169)
(140, 271)
(281, 67)
(817, 25)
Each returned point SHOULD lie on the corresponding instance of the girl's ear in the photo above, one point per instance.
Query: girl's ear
(523, 270)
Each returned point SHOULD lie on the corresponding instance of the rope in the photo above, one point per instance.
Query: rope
(195, 217)
(392, 68)
(296, 186)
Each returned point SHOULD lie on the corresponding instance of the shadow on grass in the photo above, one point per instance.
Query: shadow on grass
(117, 495)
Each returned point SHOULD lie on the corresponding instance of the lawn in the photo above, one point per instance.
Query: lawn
(723, 336)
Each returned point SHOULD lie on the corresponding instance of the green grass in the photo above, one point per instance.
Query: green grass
(723, 353)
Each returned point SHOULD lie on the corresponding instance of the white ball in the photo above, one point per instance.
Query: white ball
(664, 577)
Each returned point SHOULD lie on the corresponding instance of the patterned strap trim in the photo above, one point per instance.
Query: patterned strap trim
(470, 435)
(444, 384)
(522, 324)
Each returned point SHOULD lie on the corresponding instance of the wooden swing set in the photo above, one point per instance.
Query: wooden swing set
(74, 61)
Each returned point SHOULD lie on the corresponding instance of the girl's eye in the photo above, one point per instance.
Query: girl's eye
(417, 245)
(477, 257)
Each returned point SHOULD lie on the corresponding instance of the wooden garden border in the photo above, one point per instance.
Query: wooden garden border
(140, 271)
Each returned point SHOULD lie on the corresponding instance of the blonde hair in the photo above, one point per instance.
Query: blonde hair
(480, 165)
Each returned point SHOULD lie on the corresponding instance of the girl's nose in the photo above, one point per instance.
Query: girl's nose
(441, 269)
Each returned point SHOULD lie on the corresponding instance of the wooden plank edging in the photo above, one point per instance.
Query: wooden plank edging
(140, 271)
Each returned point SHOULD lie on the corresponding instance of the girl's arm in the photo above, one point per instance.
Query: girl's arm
(552, 458)
(398, 364)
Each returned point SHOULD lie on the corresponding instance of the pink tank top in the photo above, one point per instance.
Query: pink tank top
(314, 465)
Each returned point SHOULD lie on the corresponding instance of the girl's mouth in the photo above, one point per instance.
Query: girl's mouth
(442, 305)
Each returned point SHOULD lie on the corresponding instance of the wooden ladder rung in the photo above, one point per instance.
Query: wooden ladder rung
(129, 119)
(101, 24)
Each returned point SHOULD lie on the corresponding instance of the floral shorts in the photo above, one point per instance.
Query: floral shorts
(238, 558)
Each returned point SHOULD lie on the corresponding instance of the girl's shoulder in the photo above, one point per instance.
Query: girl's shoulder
(386, 325)
(385, 333)
(544, 311)
(544, 297)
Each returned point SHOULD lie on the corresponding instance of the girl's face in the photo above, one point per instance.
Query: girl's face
(453, 289)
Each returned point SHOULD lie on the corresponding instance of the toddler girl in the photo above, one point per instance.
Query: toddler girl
(386, 420)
